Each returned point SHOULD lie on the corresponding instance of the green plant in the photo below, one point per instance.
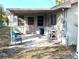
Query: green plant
(61, 46)
(73, 47)
(59, 1)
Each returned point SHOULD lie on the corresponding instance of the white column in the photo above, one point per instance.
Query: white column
(10, 17)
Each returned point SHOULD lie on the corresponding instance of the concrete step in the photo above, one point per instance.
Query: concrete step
(30, 37)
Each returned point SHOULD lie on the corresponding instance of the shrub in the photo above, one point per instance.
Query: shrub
(61, 46)
(73, 47)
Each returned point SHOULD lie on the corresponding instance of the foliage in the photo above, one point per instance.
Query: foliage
(73, 47)
(59, 1)
(61, 47)
(3, 17)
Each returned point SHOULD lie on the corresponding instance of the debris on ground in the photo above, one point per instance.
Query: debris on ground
(37, 53)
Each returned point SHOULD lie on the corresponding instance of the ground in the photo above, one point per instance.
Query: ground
(4, 36)
(45, 49)
(59, 52)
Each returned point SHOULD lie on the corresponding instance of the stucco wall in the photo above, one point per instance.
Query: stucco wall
(71, 30)
(72, 22)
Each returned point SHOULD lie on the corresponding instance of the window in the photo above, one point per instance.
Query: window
(30, 20)
(53, 19)
(40, 21)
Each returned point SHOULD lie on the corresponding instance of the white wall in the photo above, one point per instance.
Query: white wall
(71, 17)
(71, 26)
(72, 20)
(59, 27)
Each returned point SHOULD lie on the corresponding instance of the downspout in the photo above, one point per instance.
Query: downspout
(66, 36)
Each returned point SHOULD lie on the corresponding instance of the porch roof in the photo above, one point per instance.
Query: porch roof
(28, 11)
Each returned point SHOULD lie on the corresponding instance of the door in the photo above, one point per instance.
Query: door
(40, 23)
(31, 25)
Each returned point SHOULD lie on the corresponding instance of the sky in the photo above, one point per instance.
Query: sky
(27, 3)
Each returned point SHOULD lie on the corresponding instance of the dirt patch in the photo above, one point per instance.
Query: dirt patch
(9, 52)
(43, 53)
(4, 36)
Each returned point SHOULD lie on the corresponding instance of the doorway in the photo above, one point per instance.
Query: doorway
(31, 25)
(40, 23)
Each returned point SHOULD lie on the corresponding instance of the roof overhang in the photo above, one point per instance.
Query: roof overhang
(28, 11)
(65, 5)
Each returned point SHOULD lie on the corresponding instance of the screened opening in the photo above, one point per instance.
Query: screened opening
(53, 19)
(40, 21)
(30, 20)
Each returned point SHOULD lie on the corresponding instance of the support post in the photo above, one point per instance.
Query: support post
(11, 30)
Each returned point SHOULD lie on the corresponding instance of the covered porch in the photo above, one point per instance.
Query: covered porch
(36, 21)
(35, 25)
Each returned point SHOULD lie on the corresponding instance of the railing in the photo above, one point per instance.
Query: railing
(22, 21)
(19, 29)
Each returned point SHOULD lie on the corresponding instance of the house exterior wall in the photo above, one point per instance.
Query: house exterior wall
(72, 23)
(68, 31)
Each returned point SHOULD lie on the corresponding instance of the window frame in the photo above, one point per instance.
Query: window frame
(30, 21)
